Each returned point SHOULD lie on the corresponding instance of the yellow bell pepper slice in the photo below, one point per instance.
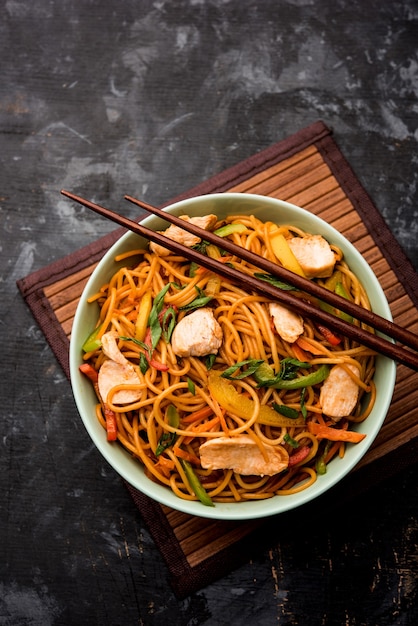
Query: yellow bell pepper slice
(141, 323)
(214, 283)
(224, 392)
(284, 254)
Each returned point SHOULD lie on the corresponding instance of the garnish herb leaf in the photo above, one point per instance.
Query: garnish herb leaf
(195, 484)
(93, 342)
(143, 363)
(139, 343)
(193, 269)
(209, 361)
(250, 366)
(191, 386)
(153, 320)
(287, 411)
(292, 442)
(289, 368)
(201, 301)
(168, 439)
(201, 246)
(269, 278)
(168, 323)
(302, 403)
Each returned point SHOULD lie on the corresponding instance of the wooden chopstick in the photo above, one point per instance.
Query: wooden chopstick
(309, 286)
(304, 308)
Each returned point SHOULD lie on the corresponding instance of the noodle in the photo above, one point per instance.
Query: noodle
(166, 384)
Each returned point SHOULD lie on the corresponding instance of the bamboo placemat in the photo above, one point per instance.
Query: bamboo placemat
(307, 169)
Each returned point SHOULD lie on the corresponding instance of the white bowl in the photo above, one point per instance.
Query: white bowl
(264, 208)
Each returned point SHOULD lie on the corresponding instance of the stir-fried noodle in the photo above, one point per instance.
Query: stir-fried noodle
(243, 391)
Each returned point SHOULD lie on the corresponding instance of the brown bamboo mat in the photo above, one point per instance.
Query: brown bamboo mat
(307, 169)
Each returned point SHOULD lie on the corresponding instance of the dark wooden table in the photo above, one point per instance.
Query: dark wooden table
(150, 98)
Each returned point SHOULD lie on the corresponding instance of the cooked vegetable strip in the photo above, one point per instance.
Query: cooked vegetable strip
(195, 484)
(93, 341)
(284, 254)
(111, 424)
(335, 434)
(141, 324)
(110, 417)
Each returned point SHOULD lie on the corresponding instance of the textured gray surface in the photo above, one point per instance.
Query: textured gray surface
(150, 98)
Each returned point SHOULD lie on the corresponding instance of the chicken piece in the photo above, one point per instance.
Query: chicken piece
(288, 324)
(117, 370)
(339, 393)
(112, 374)
(182, 236)
(197, 334)
(111, 349)
(242, 455)
(314, 254)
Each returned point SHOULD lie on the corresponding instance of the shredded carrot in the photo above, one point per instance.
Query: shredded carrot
(332, 451)
(199, 415)
(299, 353)
(165, 465)
(204, 427)
(187, 456)
(89, 371)
(308, 347)
(321, 420)
(329, 335)
(334, 434)
(225, 259)
(201, 270)
(224, 424)
(111, 424)
(221, 413)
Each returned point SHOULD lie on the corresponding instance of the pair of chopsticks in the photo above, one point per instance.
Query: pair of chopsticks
(379, 344)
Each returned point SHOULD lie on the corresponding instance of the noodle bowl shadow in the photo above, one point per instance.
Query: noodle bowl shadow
(131, 470)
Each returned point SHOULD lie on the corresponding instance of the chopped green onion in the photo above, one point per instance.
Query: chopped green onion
(250, 367)
(168, 323)
(201, 301)
(193, 269)
(195, 484)
(143, 363)
(292, 442)
(302, 404)
(93, 342)
(287, 411)
(153, 320)
(340, 290)
(210, 360)
(289, 368)
(139, 343)
(168, 439)
(229, 229)
(269, 278)
(320, 465)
